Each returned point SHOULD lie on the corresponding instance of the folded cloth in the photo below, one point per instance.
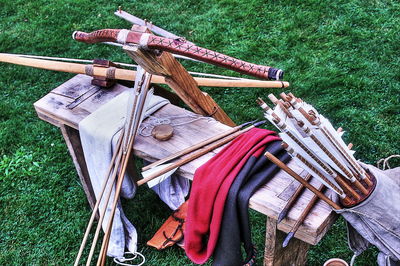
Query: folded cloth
(376, 220)
(99, 133)
(210, 188)
(235, 227)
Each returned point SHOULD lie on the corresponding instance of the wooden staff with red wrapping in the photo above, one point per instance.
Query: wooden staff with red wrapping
(180, 47)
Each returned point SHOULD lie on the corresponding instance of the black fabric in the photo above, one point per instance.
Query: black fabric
(235, 227)
(256, 181)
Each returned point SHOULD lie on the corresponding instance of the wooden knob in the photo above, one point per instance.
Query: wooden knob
(162, 132)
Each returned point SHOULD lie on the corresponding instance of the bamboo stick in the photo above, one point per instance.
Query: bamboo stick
(195, 155)
(124, 74)
(292, 173)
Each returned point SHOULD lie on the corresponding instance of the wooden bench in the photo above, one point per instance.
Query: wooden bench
(68, 104)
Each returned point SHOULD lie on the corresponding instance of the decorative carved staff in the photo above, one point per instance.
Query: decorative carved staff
(178, 46)
(129, 75)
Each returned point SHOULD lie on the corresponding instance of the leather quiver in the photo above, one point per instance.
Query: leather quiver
(172, 230)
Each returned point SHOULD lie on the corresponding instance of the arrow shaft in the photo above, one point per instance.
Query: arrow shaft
(191, 148)
(292, 173)
(193, 156)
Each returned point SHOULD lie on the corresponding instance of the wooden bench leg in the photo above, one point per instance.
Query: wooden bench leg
(73, 141)
(275, 255)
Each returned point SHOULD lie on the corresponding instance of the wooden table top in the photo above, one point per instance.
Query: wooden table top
(75, 99)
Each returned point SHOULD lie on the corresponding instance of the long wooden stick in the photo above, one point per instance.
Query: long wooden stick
(124, 74)
(96, 206)
(195, 155)
(303, 216)
(193, 147)
(103, 213)
(103, 251)
(125, 158)
(292, 173)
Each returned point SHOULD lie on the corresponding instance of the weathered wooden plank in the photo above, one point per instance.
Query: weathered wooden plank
(72, 139)
(295, 254)
(56, 106)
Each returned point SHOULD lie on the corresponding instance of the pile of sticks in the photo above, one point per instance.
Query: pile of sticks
(117, 168)
(319, 149)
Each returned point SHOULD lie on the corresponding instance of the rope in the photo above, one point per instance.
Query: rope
(353, 259)
(385, 162)
(122, 260)
(152, 121)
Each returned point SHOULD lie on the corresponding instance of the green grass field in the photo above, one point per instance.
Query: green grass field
(340, 56)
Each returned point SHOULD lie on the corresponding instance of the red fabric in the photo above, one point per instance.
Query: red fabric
(210, 188)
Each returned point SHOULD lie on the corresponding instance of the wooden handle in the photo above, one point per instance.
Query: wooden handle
(106, 35)
(180, 47)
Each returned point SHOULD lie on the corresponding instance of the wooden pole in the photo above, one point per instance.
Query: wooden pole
(193, 156)
(292, 173)
(125, 74)
(125, 158)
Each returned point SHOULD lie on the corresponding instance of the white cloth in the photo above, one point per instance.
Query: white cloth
(376, 220)
(172, 190)
(99, 133)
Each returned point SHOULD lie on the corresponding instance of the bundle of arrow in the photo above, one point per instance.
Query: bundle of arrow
(319, 149)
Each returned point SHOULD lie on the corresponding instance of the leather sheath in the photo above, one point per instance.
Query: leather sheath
(172, 230)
